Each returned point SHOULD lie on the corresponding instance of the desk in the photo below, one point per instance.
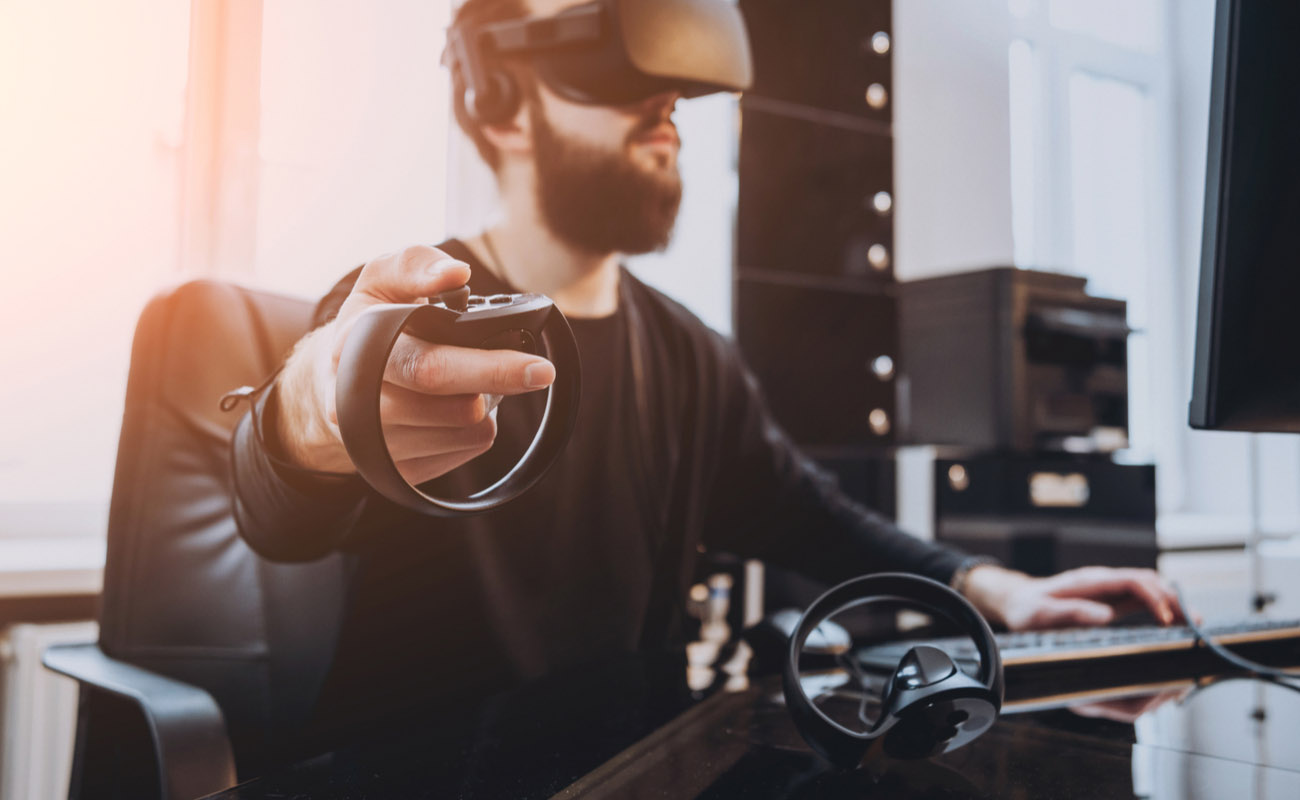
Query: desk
(630, 729)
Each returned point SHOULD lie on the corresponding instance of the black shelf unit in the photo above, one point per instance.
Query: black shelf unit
(815, 311)
(815, 308)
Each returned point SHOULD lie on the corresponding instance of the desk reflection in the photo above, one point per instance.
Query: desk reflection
(1230, 738)
(634, 728)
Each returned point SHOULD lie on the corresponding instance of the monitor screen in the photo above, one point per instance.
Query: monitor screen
(1247, 366)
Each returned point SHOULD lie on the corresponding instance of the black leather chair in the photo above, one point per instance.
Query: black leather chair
(209, 657)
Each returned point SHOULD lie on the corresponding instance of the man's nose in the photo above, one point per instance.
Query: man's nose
(663, 102)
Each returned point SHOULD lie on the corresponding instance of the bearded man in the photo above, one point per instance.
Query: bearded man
(673, 451)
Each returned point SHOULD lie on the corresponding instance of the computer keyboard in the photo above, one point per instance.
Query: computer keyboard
(1060, 647)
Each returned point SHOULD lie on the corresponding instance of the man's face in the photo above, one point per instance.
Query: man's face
(607, 178)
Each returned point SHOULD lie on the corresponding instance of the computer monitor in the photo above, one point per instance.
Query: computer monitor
(1247, 368)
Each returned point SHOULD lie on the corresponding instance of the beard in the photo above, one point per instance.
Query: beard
(599, 200)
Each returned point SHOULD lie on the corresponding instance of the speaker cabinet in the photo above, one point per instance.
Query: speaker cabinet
(814, 199)
(1043, 513)
(825, 358)
(1013, 359)
(834, 55)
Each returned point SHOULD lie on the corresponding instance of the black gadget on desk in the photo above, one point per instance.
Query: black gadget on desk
(929, 705)
(607, 52)
(527, 322)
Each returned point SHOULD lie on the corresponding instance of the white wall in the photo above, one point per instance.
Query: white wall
(696, 267)
(952, 151)
(353, 142)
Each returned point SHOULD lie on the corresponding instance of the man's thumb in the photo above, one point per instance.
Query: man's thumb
(406, 277)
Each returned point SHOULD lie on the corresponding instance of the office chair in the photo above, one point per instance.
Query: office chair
(209, 656)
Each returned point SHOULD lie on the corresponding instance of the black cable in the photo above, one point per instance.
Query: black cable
(1201, 686)
(851, 663)
(1253, 667)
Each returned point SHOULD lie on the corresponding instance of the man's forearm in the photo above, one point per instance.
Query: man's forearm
(303, 436)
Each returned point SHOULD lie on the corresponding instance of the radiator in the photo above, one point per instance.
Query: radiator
(38, 712)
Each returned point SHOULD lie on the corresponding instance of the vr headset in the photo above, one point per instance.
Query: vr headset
(606, 52)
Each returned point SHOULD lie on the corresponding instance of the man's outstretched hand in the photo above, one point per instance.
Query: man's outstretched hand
(1075, 598)
(436, 400)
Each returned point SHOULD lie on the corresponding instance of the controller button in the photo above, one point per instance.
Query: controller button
(501, 299)
(477, 300)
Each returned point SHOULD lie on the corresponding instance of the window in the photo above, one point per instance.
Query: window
(279, 144)
(1091, 195)
(90, 168)
(1132, 24)
(352, 145)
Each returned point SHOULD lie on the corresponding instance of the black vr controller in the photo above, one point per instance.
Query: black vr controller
(526, 322)
(929, 706)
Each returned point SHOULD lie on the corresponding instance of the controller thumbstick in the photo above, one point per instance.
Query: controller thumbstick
(455, 299)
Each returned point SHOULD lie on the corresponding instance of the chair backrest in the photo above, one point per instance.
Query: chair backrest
(184, 596)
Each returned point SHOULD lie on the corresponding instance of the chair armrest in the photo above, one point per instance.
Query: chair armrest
(189, 732)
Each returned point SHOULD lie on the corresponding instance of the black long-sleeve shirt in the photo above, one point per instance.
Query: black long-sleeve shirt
(673, 452)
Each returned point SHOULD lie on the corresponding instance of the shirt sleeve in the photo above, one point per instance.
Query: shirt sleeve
(283, 511)
(772, 502)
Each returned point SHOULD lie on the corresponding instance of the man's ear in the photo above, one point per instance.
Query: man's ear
(511, 137)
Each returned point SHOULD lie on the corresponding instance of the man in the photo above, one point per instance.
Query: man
(673, 451)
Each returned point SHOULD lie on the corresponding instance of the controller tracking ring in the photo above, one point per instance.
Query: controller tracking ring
(360, 380)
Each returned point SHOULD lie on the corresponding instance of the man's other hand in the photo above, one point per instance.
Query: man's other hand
(1075, 598)
(437, 401)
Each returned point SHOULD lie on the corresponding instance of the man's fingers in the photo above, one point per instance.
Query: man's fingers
(419, 470)
(1071, 612)
(410, 275)
(399, 406)
(1102, 582)
(442, 369)
(406, 443)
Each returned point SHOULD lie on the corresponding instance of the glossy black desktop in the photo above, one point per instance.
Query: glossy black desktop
(631, 728)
